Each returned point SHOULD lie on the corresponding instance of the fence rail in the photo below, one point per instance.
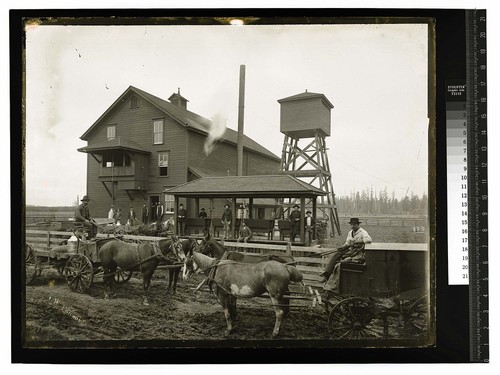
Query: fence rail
(309, 260)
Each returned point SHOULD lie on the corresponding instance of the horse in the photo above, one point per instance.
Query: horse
(234, 280)
(183, 247)
(210, 246)
(143, 257)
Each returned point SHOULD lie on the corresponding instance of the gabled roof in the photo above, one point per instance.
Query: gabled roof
(266, 186)
(117, 143)
(306, 95)
(186, 118)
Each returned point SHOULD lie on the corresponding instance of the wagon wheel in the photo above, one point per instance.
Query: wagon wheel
(351, 318)
(122, 276)
(30, 264)
(416, 317)
(79, 273)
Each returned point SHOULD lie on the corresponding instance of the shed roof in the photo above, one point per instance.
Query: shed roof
(117, 143)
(266, 186)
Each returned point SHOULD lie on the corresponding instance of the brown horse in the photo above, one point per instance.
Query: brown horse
(133, 257)
(182, 248)
(210, 246)
(232, 280)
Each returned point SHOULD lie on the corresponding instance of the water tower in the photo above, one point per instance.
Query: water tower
(305, 122)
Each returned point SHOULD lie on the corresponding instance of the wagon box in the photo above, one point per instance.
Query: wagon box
(389, 269)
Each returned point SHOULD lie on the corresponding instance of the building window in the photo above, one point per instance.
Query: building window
(163, 163)
(134, 102)
(116, 158)
(158, 132)
(111, 132)
(169, 203)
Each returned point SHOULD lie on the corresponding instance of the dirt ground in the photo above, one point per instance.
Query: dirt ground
(56, 314)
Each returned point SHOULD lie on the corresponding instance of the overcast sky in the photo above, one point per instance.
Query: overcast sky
(374, 75)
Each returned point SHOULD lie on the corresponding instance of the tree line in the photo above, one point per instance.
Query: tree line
(370, 201)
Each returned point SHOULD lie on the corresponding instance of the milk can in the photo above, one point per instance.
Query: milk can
(72, 244)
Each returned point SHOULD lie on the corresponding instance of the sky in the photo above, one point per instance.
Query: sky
(374, 75)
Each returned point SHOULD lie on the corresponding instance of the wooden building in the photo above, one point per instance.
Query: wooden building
(143, 145)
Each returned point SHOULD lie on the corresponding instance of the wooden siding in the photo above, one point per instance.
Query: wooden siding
(136, 124)
(223, 158)
(303, 117)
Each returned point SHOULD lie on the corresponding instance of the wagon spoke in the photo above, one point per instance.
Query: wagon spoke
(79, 273)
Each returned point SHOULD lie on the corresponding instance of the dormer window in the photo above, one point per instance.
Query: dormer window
(133, 102)
(111, 132)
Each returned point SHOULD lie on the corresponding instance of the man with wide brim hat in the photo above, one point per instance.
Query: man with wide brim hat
(227, 218)
(310, 224)
(82, 215)
(351, 251)
(245, 232)
(294, 219)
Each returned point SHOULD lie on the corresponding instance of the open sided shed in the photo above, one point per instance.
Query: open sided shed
(248, 187)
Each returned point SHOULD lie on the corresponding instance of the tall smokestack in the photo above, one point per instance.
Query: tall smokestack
(241, 115)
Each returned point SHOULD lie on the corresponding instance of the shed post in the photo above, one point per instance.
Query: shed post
(176, 205)
(197, 206)
(235, 212)
(302, 217)
(250, 208)
(314, 207)
(211, 229)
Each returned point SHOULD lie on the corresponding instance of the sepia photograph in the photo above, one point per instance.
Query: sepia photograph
(233, 182)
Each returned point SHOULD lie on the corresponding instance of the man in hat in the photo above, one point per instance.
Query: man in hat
(131, 216)
(353, 250)
(294, 219)
(144, 213)
(245, 233)
(82, 215)
(310, 224)
(227, 218)
(181, 219)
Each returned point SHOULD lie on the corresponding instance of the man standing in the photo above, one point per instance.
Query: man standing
(181, 219)
(159, 212)
(294, 219)
(206, 223)
(144, 213)
(153, 211)
(82, 215)
(310, 224)
(131, 216)
(245, 233)
(352, 251)
(227, 218)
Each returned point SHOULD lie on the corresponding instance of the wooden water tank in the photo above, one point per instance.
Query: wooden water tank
(302, 115)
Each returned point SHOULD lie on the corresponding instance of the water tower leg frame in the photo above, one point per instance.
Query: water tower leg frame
(311, 163)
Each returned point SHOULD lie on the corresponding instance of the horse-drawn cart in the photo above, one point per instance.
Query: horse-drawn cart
(79, 265)
(387, 296)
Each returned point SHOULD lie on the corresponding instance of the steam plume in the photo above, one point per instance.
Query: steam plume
(216, 131)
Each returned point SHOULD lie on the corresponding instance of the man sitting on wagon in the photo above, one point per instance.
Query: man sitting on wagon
(82, 215)
(352, 251)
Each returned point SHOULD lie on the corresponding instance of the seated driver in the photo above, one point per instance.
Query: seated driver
(353, 251)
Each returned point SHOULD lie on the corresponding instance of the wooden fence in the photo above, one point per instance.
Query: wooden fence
(311, 261)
